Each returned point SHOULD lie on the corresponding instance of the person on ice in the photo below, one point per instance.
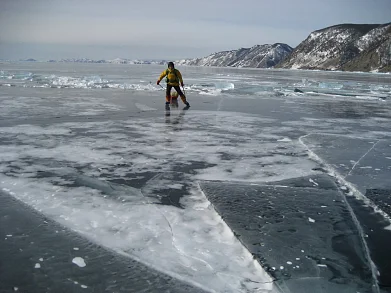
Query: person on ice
(173, 78)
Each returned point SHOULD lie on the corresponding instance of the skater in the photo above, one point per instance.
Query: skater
(173, 78)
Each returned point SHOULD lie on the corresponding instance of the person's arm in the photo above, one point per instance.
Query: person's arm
(180, 77)
(164, 73)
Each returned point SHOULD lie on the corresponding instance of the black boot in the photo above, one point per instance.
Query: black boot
(167, 105)
(187, 106)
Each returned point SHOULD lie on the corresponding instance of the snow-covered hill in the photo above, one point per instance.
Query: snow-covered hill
(361, 47)
(259, 56)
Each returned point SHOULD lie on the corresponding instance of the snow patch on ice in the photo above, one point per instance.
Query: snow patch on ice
(79, 261)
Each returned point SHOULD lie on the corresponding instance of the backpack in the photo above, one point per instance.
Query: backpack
(176, 76)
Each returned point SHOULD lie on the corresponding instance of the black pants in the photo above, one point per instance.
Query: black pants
(179, 91)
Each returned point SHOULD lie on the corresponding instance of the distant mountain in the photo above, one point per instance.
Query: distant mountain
(350, 47)
(113, 61)
(259, 56)
(347, 47)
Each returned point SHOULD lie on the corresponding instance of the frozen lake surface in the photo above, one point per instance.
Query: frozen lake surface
(273, 180)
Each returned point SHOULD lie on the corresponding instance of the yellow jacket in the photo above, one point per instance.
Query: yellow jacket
(173, 77)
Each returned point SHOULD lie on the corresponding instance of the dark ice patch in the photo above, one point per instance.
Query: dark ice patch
(167, 188)
(365, 163)
(378, 238)
(139, 188)
(307, 231)
(381, 198)
(362, 162)
(320, 181)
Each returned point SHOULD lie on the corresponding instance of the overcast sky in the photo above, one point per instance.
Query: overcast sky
(167, 29)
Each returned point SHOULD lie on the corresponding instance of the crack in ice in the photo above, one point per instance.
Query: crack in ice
(355, 164)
